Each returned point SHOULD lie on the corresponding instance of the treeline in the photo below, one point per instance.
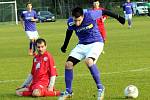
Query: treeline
(62, 8)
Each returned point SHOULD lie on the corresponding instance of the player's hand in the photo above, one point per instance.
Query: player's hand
(50, 89)
(63, 49)
(33, 19)
(18, 88)
(121, 20)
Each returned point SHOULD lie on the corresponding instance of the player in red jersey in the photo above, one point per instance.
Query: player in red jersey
(100, 22)
(41, 81)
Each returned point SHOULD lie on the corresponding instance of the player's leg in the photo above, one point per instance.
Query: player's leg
(52, 93)
(34, 47)
(71, 61)
(130, 20)
(35, 37)
(103, 33)
(90, 61)
(29, 35)
(23, 92)
(74, 57)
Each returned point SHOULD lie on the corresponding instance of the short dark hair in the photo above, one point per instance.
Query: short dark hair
(40, 40)
(77, 12)
(28, 3)
(95, 0)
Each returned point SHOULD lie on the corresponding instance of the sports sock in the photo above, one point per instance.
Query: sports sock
(27, 93)
(129, 22)
(34, 46)
(30, 45)
(96, 76)
(68, 79)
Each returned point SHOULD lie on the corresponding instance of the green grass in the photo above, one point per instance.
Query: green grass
(126, 60)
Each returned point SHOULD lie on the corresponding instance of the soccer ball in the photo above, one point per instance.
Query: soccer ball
(131, 91)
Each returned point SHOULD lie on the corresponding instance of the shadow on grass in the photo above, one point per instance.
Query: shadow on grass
(120, 98)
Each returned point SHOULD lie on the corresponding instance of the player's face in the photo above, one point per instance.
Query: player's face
(96, 4)
(29, 6)
(78, 20)
(41, 48)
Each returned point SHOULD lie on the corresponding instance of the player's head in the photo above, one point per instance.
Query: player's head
(78, 15)
(29, 5)
(41, 45)
(128, 0)
(96, 4)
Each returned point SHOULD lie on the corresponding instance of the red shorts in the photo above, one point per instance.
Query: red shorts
(43, 91)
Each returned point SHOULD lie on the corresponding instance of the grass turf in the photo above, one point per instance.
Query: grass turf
(125, 62)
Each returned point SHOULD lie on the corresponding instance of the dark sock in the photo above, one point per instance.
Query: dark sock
(30, 45)
(68, 79)
(34, 46)
(96, 76)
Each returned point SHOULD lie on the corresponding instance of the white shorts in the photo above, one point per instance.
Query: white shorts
(32, 34)
(82, 51)
(128, 16)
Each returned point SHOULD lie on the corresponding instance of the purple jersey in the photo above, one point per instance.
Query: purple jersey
(27, 16)
(88, 31)
(128, 8)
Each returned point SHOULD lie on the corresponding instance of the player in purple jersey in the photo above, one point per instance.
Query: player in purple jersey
(28, 20)
(89, 47)
(128, 11)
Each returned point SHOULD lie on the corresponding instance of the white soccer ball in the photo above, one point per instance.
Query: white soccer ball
(131, 91)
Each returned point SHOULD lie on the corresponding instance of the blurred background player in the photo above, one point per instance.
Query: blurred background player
(100, 21)
(28, 20)
(89, 47)
(41, 81)
(128, 11)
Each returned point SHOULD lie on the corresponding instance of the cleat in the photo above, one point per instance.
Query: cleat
(101, 94)
(65, 95)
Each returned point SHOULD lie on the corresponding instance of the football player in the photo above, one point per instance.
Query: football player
(41, 81)
(89, 47)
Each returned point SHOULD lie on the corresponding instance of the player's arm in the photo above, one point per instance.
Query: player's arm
(124, 10)
(34, 19)
(66, 41)
(52, 73)
(26, 82)
(51, 83)
(114, 15)
(21, 20)
(132, 10)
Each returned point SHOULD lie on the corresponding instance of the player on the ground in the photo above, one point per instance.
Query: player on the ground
(41, 81)
(28, 20)
(89, 47)
(128, 11)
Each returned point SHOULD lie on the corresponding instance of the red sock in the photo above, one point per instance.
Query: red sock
(27, 93)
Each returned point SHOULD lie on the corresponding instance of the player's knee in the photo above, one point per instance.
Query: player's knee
(36, 93)
(89, 62)
(69, 65)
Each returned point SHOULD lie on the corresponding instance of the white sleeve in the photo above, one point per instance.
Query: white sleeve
(27, 81)
(52, 81)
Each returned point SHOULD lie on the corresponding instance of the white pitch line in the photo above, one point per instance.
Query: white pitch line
(108, 73)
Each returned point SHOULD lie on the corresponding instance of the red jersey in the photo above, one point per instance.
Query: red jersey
(42, 69)
(100, 23)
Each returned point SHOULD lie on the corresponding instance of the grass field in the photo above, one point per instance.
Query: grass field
(126, 60)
